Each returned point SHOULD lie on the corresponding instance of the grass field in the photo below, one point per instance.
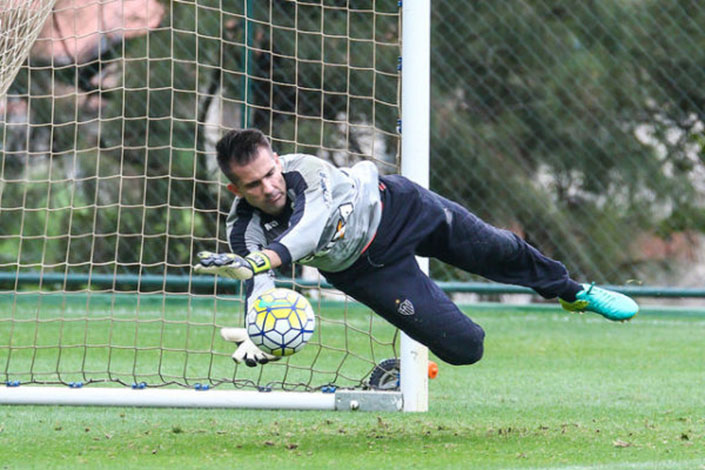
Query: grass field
(553, 391)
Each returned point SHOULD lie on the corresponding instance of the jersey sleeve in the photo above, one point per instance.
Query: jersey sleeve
(245, 234)
(312, 200)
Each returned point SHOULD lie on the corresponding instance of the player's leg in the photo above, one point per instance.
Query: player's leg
(416, 220)
(465, 241)
(419, 221)
(402, 294)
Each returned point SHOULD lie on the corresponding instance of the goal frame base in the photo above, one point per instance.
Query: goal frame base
(340, 400)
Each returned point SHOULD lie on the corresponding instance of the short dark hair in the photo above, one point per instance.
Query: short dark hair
(239, 147)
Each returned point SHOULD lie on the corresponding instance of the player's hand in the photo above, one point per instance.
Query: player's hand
(232, 265)
(246, 351)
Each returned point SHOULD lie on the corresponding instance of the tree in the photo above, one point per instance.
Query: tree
(542, 104)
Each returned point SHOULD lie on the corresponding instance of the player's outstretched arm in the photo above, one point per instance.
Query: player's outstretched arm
(246, 351)
(235, 266)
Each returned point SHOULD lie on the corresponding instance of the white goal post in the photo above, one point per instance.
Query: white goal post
(108, 188)
(415, 141)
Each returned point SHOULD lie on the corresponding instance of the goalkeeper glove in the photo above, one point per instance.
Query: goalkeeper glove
(246, 351)
(232, 265)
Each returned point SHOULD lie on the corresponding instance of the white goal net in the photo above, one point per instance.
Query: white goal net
(20, 23)
(109, 186)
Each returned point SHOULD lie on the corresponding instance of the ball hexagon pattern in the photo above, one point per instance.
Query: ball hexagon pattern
(280, 321)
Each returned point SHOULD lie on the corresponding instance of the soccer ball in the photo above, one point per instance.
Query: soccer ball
(280, 322)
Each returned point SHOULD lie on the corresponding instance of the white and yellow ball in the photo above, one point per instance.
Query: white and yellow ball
(280, 322)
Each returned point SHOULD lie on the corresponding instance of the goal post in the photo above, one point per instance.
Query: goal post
(415, 124)
(109, 187)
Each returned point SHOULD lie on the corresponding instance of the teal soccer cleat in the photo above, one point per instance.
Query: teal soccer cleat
(611, 305)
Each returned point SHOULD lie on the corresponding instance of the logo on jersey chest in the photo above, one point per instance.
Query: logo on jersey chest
(269, 226)
(344, 212)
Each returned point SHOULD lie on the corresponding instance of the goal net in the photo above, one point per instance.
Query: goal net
(109, 185)
(20, 23)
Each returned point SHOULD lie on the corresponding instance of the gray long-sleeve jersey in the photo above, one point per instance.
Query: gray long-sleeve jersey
(331, 215)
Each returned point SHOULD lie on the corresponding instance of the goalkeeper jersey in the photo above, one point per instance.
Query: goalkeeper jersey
(331, 215)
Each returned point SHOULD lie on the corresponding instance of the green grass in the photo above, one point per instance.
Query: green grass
(553, 391)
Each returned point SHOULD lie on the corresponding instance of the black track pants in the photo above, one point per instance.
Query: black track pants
(416, 221)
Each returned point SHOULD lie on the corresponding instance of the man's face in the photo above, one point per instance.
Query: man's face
(261, 182)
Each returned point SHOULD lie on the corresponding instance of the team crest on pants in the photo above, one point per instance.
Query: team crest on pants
(405, 307)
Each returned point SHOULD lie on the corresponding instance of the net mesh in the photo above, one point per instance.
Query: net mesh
(20, 23)
(109, 184)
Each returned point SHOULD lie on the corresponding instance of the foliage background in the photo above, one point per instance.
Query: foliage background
(577, 124)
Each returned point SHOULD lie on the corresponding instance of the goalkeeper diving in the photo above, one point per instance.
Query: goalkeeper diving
(362, 231)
